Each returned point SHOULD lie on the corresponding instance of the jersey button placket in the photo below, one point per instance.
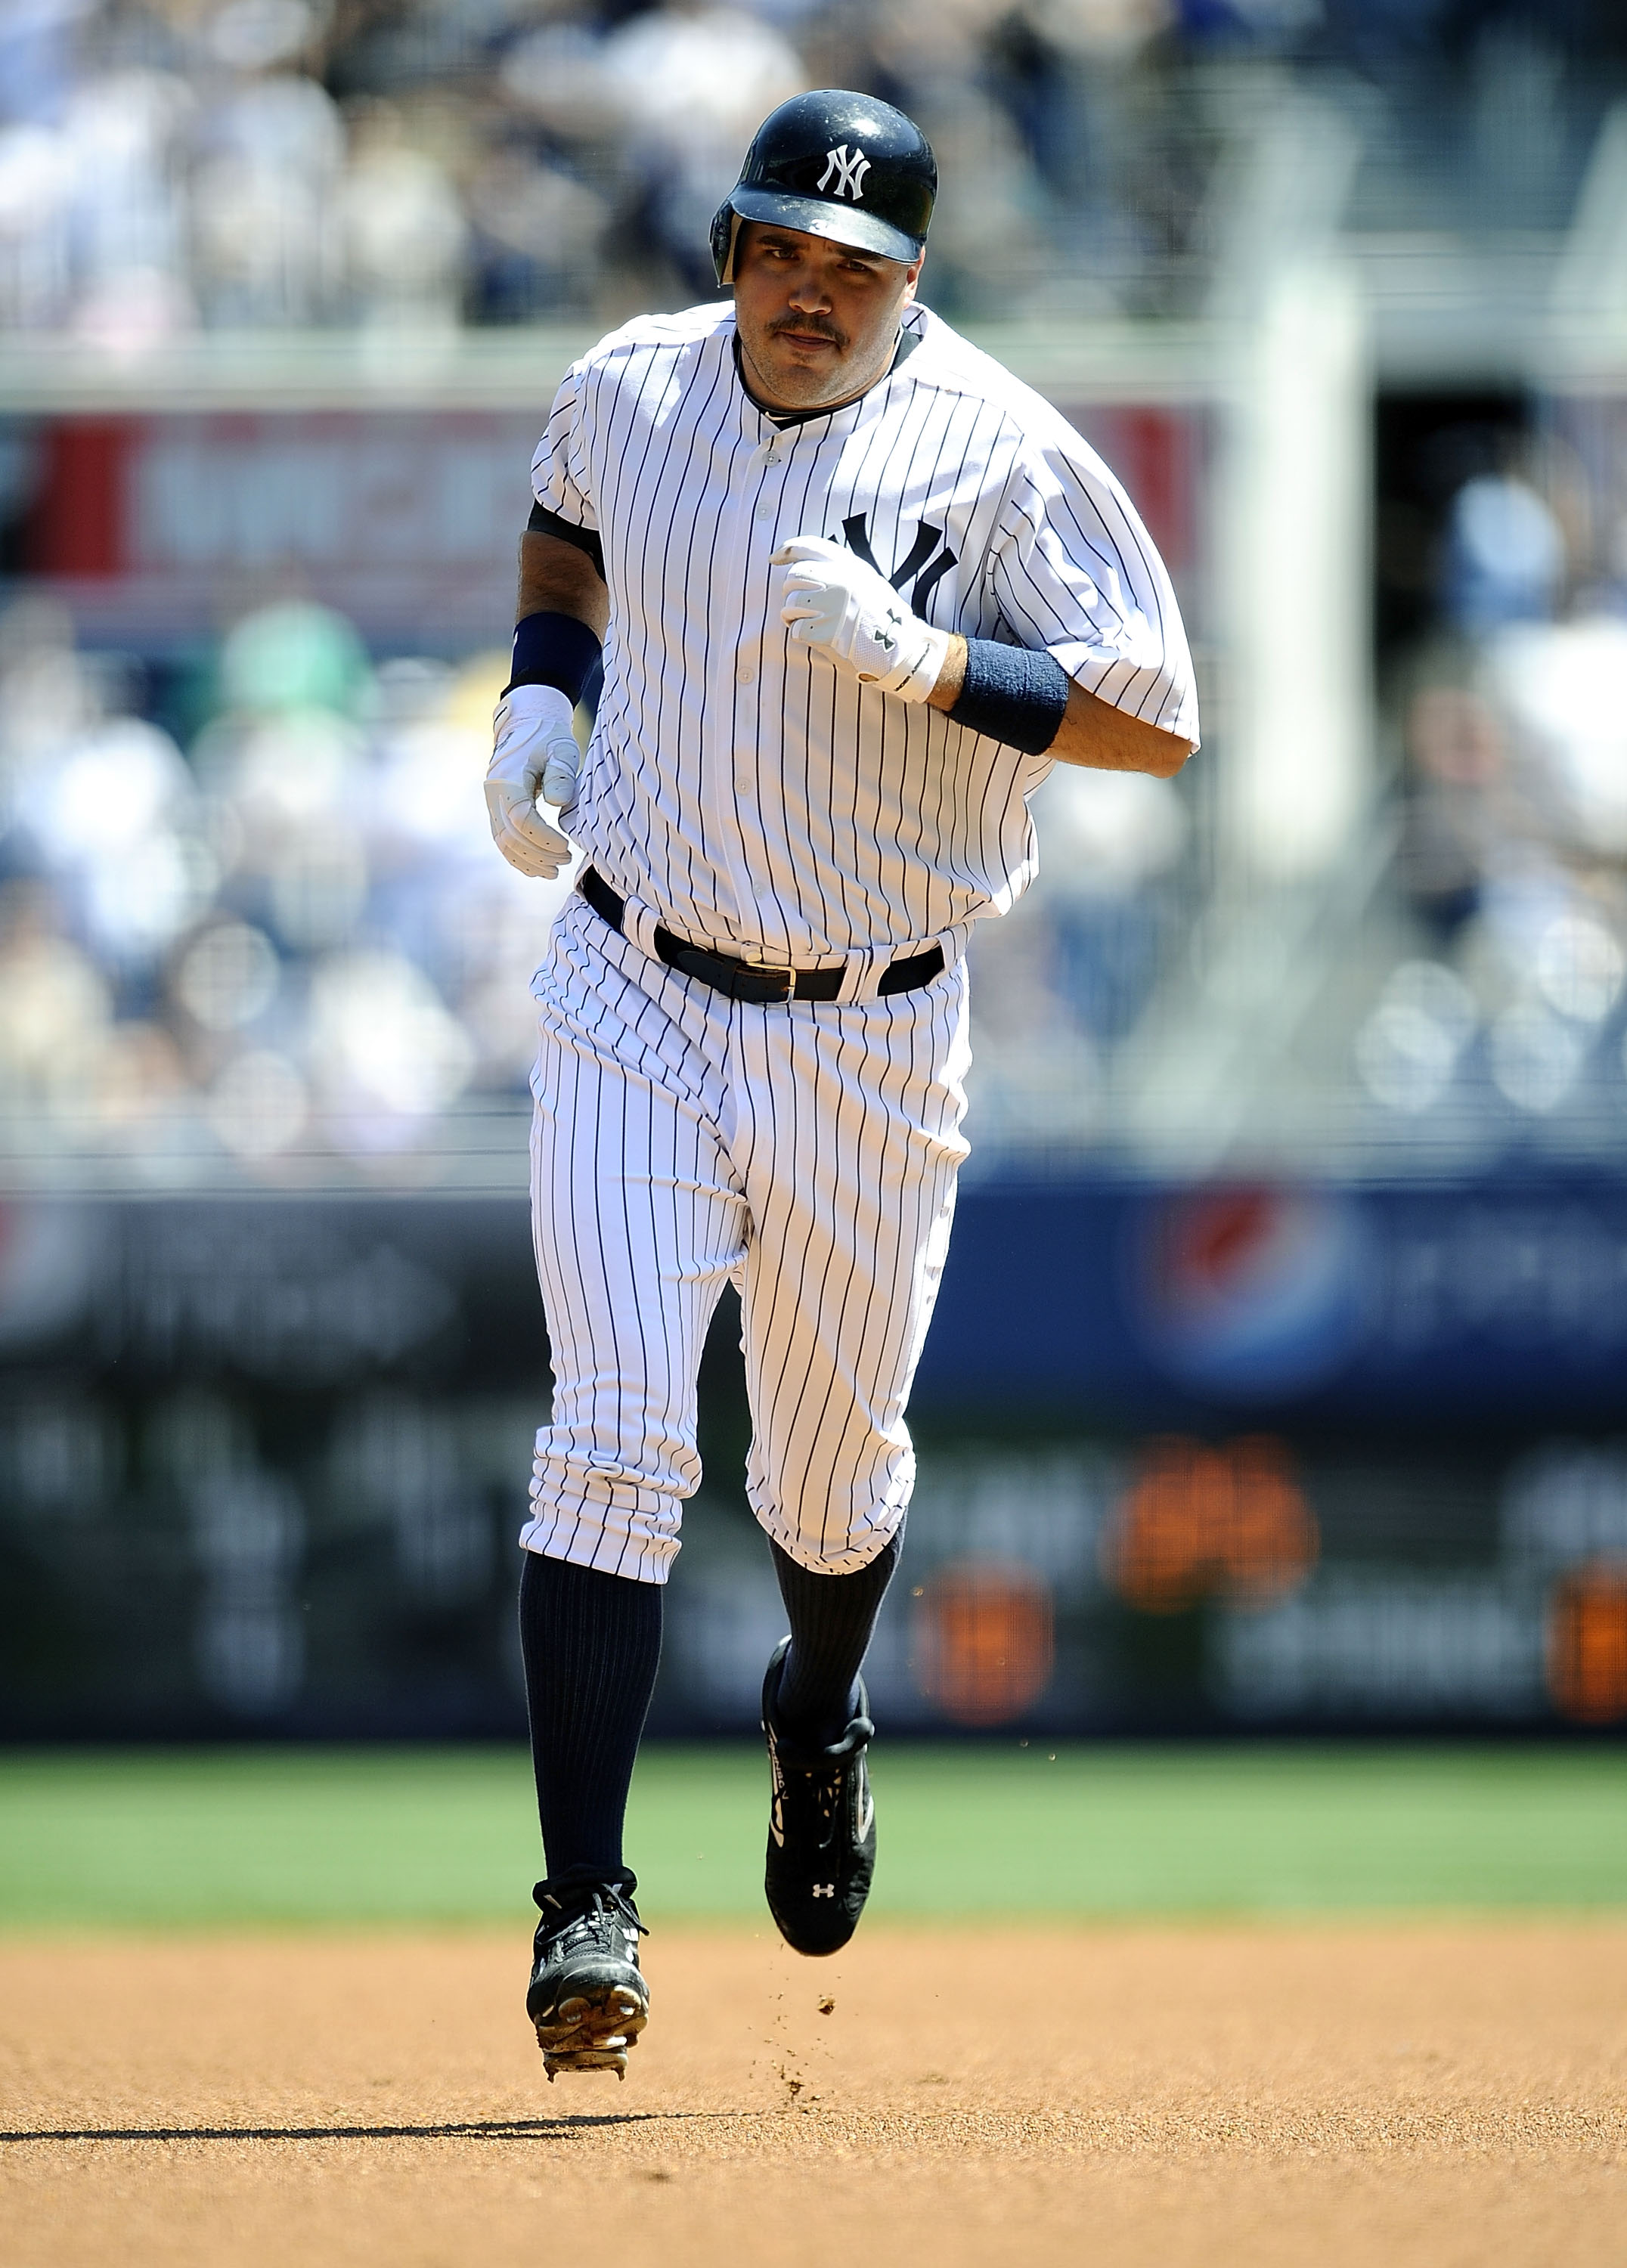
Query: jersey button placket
(766, 463)
(767, 495)
(736, 667)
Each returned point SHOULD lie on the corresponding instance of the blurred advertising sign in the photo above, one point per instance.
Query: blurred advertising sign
(46, 1270)
(985, 1641)
(299, 1433)
(164, 528)
(1198, 1522)
(1248, 1291)
(1161, 452)
(161, 528)
(1488, 1301)
(1588, 1644)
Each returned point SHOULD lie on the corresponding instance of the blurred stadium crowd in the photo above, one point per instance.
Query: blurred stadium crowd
(170, 163)
(301, 935)
(272, 926)
(1512, 864)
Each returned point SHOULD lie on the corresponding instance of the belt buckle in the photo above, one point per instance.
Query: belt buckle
(767, 973)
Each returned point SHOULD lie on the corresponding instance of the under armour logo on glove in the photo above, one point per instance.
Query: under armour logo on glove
(847, 608)
(885, 638)
(824, 1890)
(847, 172)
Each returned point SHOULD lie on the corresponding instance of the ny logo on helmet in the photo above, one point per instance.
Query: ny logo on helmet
(848, 173)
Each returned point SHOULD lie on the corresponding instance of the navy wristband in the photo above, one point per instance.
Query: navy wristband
(552, 650)
(1012, 695)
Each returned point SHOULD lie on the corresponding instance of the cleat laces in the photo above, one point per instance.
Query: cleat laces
(607, 1912)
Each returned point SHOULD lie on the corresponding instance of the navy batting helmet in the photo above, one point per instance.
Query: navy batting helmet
(835, 164)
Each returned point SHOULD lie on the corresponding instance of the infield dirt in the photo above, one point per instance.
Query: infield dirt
(1400, 2093)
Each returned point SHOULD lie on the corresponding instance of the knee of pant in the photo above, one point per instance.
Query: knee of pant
(623, 1448)
(600, 1512)
(835, 1550)
(639, 1542)
(826, 1523)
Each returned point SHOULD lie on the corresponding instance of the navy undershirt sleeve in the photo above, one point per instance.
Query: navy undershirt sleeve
(544, 522)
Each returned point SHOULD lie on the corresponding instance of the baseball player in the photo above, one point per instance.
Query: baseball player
(853, 590)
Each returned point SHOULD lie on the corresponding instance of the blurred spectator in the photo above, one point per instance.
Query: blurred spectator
(668, 99)
(56, 1007)
(37, 56)
(1514, 850)
(256, 35)
(46, 695)
(1559, 685)
(1053, 991)
(299, 938)
(125, 136)
(113, 817)
(36, 188)
(294, 655)
(538, 237)
(691, 84)
(1504, 555)
(1454, 749)
(402, 225)
(265, 240)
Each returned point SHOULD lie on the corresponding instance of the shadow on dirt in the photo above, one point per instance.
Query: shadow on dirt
(486, 2130)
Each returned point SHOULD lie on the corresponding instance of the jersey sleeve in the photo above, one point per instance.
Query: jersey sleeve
(561, 480)
(1074, 570)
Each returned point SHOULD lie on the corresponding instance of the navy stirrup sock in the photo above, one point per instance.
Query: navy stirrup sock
(591, 1644)
(832, 1620)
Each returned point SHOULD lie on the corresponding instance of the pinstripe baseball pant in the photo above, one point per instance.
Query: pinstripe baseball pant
(807, 1151)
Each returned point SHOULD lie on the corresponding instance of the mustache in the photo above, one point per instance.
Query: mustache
(810, 325)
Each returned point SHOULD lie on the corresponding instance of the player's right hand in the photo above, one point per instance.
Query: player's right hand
(838, 604)
(535, 752)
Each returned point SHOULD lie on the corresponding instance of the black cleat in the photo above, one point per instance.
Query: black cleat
(821, 1828)
(587, 1998)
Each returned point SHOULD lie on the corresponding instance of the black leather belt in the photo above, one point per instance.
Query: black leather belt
(751, 980)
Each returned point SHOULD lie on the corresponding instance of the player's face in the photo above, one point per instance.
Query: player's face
(818, 321)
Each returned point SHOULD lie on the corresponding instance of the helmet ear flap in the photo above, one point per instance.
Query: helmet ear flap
(725, 231)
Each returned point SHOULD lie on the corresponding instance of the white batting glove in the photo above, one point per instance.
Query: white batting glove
(534, 753)
(850, 613)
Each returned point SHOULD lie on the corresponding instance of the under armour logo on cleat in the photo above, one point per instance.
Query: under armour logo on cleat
(824, 1890)
(848, 173)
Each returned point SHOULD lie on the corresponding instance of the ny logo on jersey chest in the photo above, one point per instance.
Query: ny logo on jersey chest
(919, 572)
(848, 173)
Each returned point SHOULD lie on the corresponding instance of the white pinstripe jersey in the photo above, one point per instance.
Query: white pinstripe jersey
(750, 793)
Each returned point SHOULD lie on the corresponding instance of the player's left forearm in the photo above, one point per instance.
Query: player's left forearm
(1093, 733)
